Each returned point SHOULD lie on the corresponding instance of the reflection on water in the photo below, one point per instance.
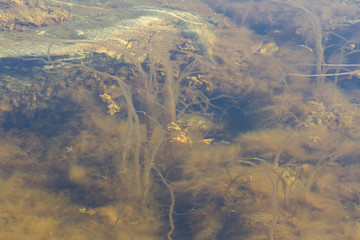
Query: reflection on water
(179, 120)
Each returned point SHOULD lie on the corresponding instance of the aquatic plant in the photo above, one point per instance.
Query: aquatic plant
(138, 148)
(317, 33)
(152, 96)
(20, 15)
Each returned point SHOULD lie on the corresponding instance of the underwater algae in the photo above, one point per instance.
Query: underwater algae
(135, 135)
(22, 14)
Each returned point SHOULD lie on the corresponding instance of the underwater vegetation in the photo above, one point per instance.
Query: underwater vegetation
(216, 120)
(22, 14)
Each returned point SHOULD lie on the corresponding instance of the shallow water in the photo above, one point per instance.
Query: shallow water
(179, 120)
